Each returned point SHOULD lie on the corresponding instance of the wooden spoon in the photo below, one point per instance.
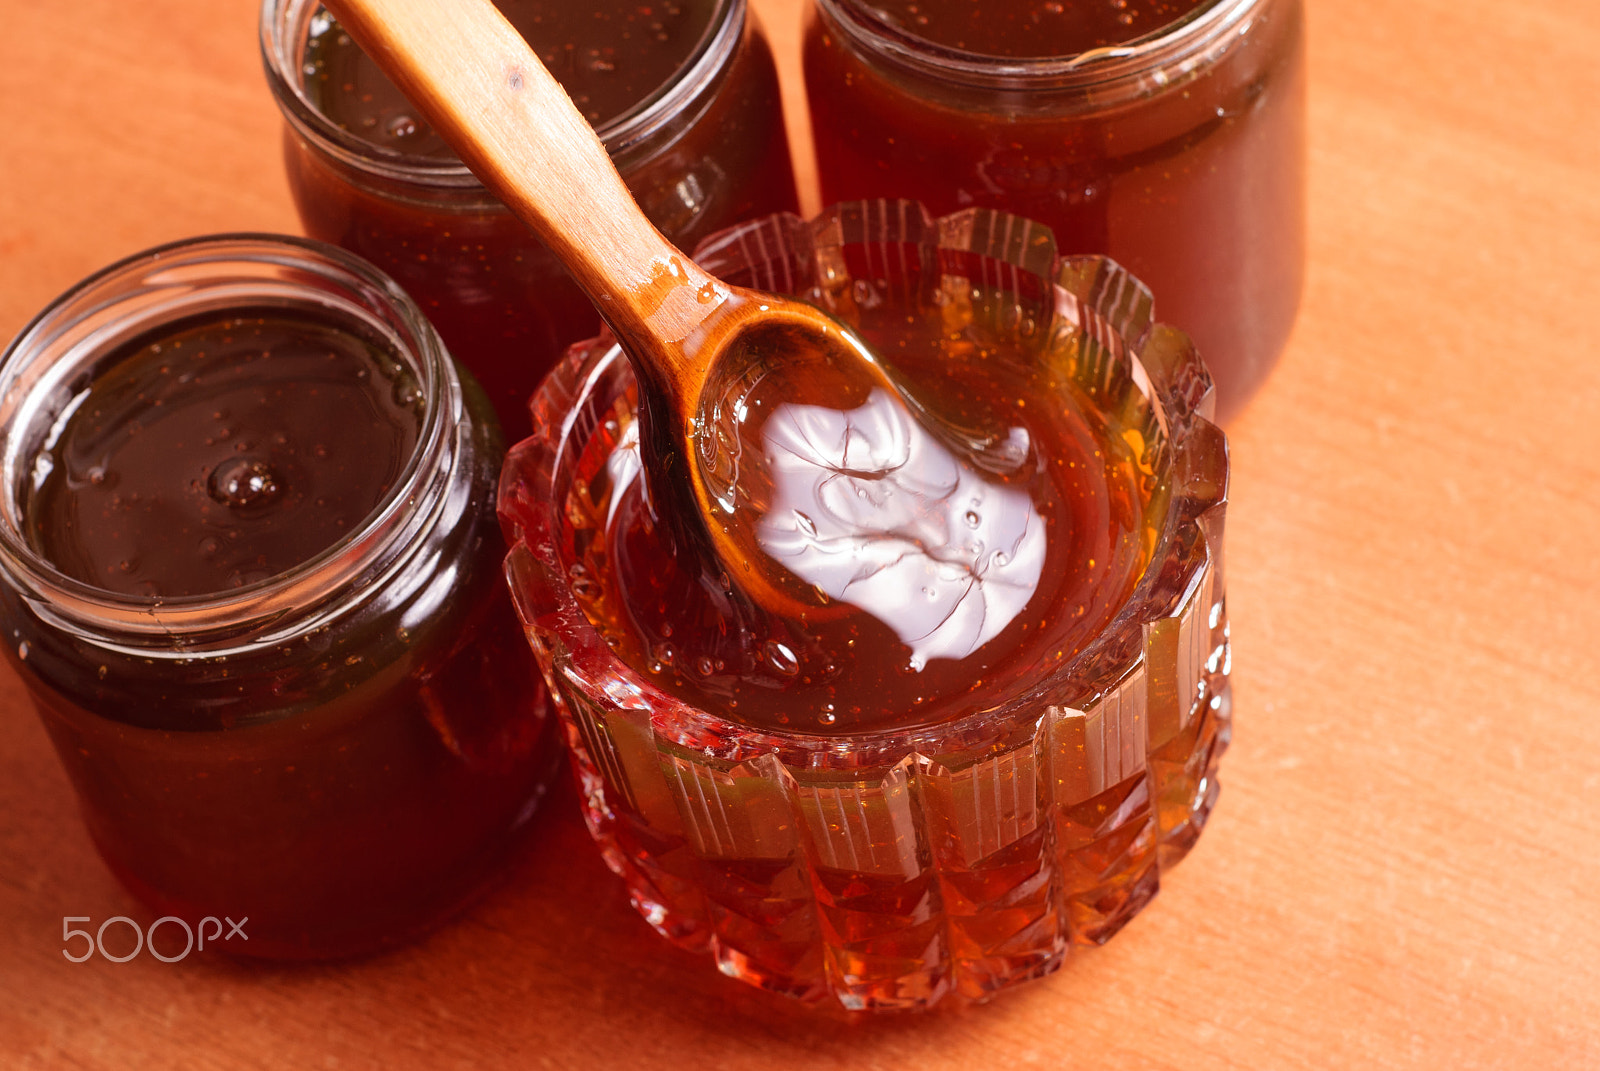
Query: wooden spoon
(706, 355)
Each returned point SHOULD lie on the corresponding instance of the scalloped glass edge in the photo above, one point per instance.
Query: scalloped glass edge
(990, 845)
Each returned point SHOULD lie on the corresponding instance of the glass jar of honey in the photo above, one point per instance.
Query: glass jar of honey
(1168, 135)
(684, 95)
(999, 722)
(252, 583)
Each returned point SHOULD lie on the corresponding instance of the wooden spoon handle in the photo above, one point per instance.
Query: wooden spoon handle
(481, 86)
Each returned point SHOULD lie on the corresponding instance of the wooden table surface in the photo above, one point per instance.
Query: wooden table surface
(1402, 871)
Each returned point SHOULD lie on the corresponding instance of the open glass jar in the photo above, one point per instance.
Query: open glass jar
(700, 150)
(895, 867)
(338, 751)
(1180, 153)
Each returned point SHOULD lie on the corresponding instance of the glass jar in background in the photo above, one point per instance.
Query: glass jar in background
(903, 864)
(702, 147)
(340, 749)
(1179, 153)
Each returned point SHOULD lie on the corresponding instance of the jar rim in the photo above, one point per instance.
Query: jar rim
(282, 43)
(170, 282)
(1181, 44)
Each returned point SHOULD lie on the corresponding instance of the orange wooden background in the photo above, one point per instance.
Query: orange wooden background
(1403, 870)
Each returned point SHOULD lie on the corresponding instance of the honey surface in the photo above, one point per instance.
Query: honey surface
(220, 453)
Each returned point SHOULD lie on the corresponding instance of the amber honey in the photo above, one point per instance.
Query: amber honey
(947, 583)
(249, 572)
(684, 95)
(1169, 136)
(902, 853)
